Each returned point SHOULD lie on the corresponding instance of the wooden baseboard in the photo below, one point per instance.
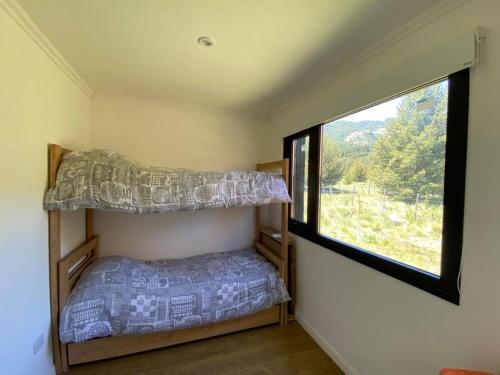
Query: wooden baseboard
(109, 347)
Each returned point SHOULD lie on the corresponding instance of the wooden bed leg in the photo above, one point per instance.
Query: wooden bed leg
(283, 314)
(54, 251)
(64, 358)
(284, 244)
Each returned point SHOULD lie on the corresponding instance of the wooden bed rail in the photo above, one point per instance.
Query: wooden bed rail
(70, 269)
(269, 255)
(273, 165)
(72, 266)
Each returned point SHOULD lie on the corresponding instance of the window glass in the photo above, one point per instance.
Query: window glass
(382, 178)
(300, 152)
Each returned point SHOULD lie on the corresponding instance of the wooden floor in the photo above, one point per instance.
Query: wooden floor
(269, 350)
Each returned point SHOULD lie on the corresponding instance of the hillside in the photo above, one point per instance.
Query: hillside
(349, 132)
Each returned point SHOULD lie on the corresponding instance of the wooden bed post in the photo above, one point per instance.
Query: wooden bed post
(283, 261)
(257, 224)
(284, 244)
(60, 351)
(89, 223)
(55, 154)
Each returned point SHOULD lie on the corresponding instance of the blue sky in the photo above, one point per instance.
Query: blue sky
(378, 112)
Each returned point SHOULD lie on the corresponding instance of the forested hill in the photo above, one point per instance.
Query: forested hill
(354, 132)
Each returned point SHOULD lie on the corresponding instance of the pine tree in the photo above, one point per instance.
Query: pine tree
(357, 172)
(332, 167)
(409, 157)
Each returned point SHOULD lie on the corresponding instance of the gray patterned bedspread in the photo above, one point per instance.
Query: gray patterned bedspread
(109, 181)
(118, 295)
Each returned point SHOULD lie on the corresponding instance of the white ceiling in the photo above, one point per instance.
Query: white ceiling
(266, 50)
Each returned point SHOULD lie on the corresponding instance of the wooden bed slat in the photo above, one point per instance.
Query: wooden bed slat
(72, 266)
(270, 166)
(270, 241)
(75, 276)
(110, 347)
(269, 255)
(82, 250)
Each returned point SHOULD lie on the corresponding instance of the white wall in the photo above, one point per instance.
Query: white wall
(39, 104)
(371, 322)
(162, 134)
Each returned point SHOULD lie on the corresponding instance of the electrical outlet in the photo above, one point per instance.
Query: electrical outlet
(38, 343)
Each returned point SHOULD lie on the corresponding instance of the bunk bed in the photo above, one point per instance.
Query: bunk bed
(66, 273)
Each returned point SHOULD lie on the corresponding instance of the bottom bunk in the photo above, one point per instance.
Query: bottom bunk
(118, 295)
(114, 306)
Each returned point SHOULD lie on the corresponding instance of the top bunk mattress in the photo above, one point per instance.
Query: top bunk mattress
(109, 181)
(118, 295)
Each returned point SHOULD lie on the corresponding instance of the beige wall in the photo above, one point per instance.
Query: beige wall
(163, 134)
(39, 104)
(374, 324)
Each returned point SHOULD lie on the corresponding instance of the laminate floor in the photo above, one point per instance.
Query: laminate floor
(268, 350)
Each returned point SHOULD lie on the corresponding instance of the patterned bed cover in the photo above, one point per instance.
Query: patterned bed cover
(109, 181)
(117, 295)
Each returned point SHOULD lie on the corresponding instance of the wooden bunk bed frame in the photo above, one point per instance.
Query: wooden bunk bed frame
(64, 273)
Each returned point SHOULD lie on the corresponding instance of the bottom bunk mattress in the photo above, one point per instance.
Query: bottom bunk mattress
(118, 295)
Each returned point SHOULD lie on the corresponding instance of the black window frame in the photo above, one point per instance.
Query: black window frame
(447, 284)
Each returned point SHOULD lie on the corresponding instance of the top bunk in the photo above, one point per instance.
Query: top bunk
(106, 180)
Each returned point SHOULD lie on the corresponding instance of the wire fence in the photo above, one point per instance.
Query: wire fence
(370, 189)
(384, 198)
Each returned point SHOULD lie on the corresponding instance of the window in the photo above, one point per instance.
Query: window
(384, 185)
